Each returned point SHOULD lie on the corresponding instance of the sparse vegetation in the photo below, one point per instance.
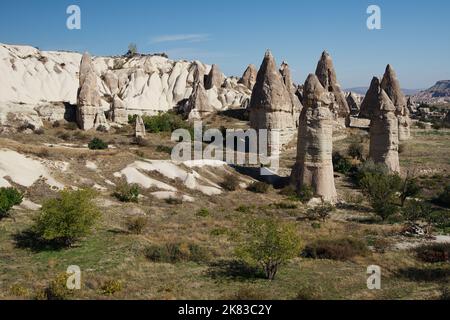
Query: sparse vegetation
(137, 225)
(126, 192)
(177, 252)
(230, 183)
(258, 187)
(336, 249)
(434, 253)
(9, 197)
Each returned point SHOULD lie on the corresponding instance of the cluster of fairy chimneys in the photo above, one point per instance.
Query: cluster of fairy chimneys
(316, 109)
(90, 114)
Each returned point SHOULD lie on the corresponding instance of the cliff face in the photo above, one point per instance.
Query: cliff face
(146, 84)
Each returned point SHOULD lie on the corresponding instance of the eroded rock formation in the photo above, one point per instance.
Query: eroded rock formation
(287, 80)
(215, 78)
(314, 165)
(371, 99)
(271, 105)
(199, 104)
(88, 98)
(384, 132)
(326, 74)
(119, 114)
(391, 86)
(139, 128)
(249, 77)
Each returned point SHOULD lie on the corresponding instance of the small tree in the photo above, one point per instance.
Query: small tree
(321, 212)
(9, 197)
(381, 190)
(269, 243)
(410, 189)
(68, 217)
(132, 49)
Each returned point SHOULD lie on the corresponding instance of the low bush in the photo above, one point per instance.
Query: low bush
(111, 287)
(9, 197)
(337, 249)
(140, 141)
(177, 252)
(259, 187)
(305, 193)
(230, 183)
(341, 164)
(137, 225)
(57, 289)
(126, 192)
(444, 198)
(434, 253)
(164, 122)
(249, 294)
(356, 151)
(203, 213)
(97, 144)
(321, 212)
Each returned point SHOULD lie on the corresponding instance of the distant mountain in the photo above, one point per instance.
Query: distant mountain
(440, 92)
(363, 90)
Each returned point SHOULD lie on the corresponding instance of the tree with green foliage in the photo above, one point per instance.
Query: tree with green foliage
(269, 243)
(70, 216)
(9, 197)
(410, 189)
(126, 192)
(132, 49)
(381, 188)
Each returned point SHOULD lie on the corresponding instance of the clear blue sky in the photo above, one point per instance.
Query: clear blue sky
(415, 37)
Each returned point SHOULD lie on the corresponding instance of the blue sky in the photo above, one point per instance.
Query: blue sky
(415, 35)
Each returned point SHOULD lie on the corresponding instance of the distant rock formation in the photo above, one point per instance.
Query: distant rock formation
(199, 104)
(249, 77)
(384, 133)
(353, 102)
(326, 74)
(271, 105)
(287, 80)
(391, 86)
(314, 165)
(370, 101)
(119, 114)
(139, 128)
(88, 97)
(215, 78)
(100, 122)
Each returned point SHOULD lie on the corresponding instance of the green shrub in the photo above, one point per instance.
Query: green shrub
(137, 225)
(126, 192)
(381, 189)
(203, 213)
(415, 211)
(434, 253)
(309, 292)
(341, 164)
(259, 187)
(410, 189)
(269, 243)
(321, 212)
(177, 252)
(57, 289)
(444, 197)
(356, 151)
(339, 249)
(97, 144)
(244, 209)
(441, 220)
(163, 122)
(305, 193)
(9, 197)
(370, 168)
(230, 183)
(68, 217)
(111, 287)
